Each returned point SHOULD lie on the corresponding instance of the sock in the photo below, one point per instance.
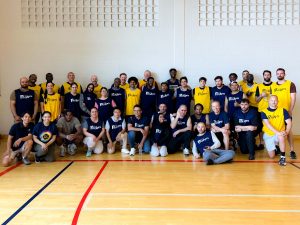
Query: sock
(282, 154)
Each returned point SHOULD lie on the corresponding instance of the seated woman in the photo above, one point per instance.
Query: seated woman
(206, 143)
(19, 141)
(93, 130)
(44, 135)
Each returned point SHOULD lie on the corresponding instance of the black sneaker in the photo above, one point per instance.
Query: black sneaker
(293, 155)
(282, 161)
(259, 147)
(251, 157)
(210, 162)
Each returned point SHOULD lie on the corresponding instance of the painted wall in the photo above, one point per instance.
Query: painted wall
(178, 42)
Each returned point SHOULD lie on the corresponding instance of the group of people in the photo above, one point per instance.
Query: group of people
(152, 120)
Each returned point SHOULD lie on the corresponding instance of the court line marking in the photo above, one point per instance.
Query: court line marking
(36, 194)
(10, 169)
(164, 160)
(292, 163)
(83, 199)
(171, 209)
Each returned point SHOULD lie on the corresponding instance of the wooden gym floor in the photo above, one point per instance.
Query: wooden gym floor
(116, 189)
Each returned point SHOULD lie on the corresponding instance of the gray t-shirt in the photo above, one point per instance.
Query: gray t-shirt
(68, 127)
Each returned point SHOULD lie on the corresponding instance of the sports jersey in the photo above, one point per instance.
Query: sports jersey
(173, 85)
(66, 88)
(283, 92)
(181, 123)
(24, 101)
(148, 101)
(52, 104)
(132, 99)
(105, 108)
(195, 120)
(202, 96)
(89, 99)
(219, 94)
(232, 98)
(44, 87)
(118, 95)
(248, 118)
(37, 90)
(250, 92)
(165, 98)
(71, 103)
(114, 127)
(183, 97)
(276, 118)
(124, 86)
(264, 102)
(97, 90)
(202, 141)
(94, 128)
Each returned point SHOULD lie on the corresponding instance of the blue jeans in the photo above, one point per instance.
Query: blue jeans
(136, 137)
(218, 156)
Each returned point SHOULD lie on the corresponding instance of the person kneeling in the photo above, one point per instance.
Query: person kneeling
(116, 131)
(161, 137)
(206, 143)
(93, 130)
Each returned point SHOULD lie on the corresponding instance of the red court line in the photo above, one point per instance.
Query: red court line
(10, 169)
(161, 160)
(78, 210)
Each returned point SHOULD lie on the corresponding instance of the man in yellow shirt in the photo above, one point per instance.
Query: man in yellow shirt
(133, 95)
(277, 125)
(285, 90)
(49, 79)
(97, 86)
(123, 78)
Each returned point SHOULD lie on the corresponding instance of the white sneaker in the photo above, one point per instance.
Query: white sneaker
(132, 151)
(62, 151)
(72, 149)
(125, 151)
(186, 152)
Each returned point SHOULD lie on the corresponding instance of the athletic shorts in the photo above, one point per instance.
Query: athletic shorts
(270, 142)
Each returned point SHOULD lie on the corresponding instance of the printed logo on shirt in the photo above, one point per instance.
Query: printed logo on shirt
(74, 100)
(94, 127)
(116, 126)
(183, 95)
(45, 136)
(104, 104)
(219, 93)
(241, 121)
(25, 96)
(202, 140)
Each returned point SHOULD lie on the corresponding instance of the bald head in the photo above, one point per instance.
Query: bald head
(24, 82)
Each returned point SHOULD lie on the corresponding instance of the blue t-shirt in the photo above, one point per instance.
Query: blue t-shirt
(118, 95)
(232, 98)
(114, 127)
(71, 102)
(181, 123)
(173, 86)
(44, 133)
(24, 101)
(203, 141)
(93, 128)
(165, 98)
(105, 109)
(148, 101)
(195, 120)
(19, 131)
(219, 120)
(246, 119)
(89, 99)
(138, 123)
(219, 94)
(183, 98)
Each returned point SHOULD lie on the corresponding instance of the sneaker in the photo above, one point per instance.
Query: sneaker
(210, 162)
(37, 159)
(251, 157)
(72, 149)
(282, 161)
(186, 152)
(88, 153)
(293, 155)
(26, 161)
(125, 151)
(132, 151)
(62, 151)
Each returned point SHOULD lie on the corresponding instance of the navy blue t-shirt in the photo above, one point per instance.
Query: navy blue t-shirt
(71, 103)
(44, 133)
(183, 98)
(165, 98)
(89, 99)
(93, 128)
(246, 119)
(203, 141)
(115, 127)
(161, 134)
(195, 120)
(181, 123)
(19, 131)
(220, 94)
(148, 101)
(24, 102)
(118, 95)
(105, 109)
(219, 120)
(138, 123)
(232, 98)
(173, 86)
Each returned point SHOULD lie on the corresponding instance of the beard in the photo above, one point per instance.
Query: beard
(267, 80)
(280, 78)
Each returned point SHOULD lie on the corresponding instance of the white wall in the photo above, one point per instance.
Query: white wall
(177, 42)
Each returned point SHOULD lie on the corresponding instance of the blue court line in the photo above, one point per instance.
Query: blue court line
(35, 195)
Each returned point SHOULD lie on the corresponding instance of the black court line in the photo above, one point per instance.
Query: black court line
(35, 195)
(298, 167)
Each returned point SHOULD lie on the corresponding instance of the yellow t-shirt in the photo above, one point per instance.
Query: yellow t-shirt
(52, 104)
(202, 96)
(276, 119)
(283, 93)
(132, 99)
(252, 90)
(66, 88)
(264, 102)
(125, 86)
(97, 90)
